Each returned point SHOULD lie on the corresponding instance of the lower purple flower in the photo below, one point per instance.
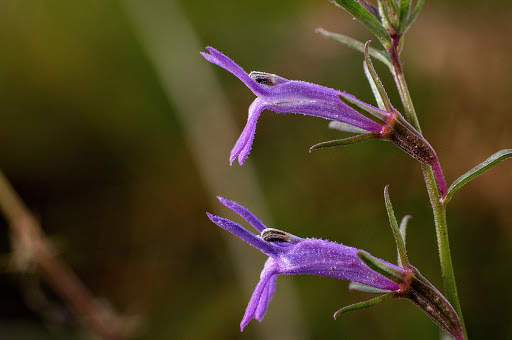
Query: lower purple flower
(290, 255)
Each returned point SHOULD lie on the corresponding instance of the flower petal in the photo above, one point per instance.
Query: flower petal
(258, 303)
(244, 213)
(265, 298)
(229, 65)
(244, 143)
(242, 233)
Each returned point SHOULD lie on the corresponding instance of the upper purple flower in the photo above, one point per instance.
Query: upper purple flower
(294, 96)
(289, 255)
(288, 96)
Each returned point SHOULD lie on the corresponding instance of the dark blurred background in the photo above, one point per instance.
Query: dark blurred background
(116, 134)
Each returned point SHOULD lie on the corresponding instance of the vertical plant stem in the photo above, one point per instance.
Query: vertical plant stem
(438, 209)
(443, 244)
(403, 90)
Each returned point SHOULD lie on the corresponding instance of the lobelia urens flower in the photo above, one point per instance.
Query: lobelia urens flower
(293, 96)
(292, 255)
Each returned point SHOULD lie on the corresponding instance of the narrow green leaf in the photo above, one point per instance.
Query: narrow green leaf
(391, 4)
(403, 232)
(360, 287)
(403, 226)
(356, 45)
(377, 88)
(477, 170)
(373, 86)
(364, 304)
(367, 19)
(379, 267)
(404, 13)
(400, 243)
(366, 110)
(344, 127)
(344, 141)
(412, 16)
(387, 14)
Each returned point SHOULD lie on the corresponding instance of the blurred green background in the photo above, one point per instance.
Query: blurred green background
(108, 131)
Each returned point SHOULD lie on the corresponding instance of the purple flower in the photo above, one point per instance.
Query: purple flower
(290, 255)
(293, 96)
(287, 96)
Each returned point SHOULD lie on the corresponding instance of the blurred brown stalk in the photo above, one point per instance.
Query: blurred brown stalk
(31, 247)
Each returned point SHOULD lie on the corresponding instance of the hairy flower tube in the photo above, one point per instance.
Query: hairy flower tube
(281, 95)
(290, 255)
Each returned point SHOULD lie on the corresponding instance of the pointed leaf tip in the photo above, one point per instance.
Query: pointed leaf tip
(476, 171)
(344, 141)
(364, 304)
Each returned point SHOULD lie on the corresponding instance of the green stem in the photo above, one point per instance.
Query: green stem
(443, 244)
(438, 208)
(401, 84)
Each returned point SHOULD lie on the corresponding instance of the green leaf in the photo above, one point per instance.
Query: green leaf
(367, 19)
(366, 110)
(403, 232)
(391, 4)
(360, 287)
(357, 45)
(477, 170)
(400, 243)
(377, 88)
(403, 226)
(364, 304)
(388, 12)
(412, 16)
(404, 13)
(344, 127)
(380, 267)
(344, 141)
